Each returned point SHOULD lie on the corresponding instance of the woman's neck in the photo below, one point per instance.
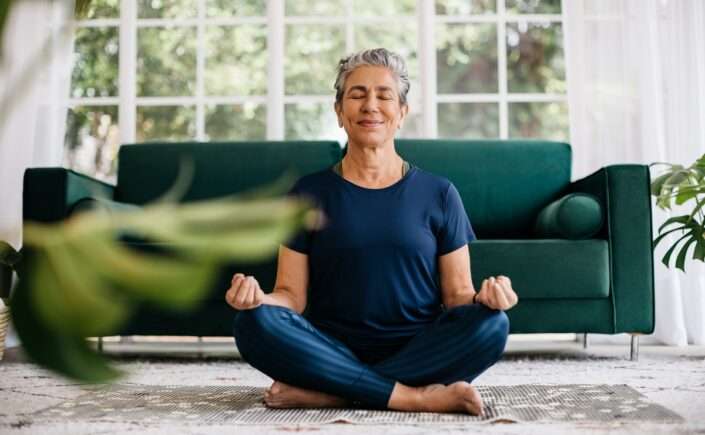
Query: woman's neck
(372, 167)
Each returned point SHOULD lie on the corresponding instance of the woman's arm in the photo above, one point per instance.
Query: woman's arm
(290, 288)
(457, 288)
(456, 283)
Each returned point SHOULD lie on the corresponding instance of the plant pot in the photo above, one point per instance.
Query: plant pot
(5, 281)
(4, 324)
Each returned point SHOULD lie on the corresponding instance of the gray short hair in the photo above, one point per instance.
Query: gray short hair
(373, 57)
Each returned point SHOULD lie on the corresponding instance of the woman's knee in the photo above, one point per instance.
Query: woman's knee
(492, 325)
(257, 321)
(496, 331)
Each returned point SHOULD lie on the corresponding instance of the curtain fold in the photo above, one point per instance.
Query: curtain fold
(636, 93)
(35, 73)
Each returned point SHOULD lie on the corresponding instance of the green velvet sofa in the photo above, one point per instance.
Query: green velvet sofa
(594, 281)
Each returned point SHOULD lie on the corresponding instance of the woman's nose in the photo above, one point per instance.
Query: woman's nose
(369, 104)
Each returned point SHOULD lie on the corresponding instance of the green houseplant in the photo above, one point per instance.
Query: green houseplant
(679, 185)
(77, 279)
(9, 257)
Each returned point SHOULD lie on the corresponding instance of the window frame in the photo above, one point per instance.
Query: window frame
(275, 99)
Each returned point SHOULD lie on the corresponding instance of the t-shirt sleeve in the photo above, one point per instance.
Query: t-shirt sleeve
(457, 230)
(301, 240)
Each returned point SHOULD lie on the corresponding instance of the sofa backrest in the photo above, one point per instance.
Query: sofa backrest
(148, 170)
(503, 183)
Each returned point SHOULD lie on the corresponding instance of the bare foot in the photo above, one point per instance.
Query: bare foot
(281, 395)
(457, 397)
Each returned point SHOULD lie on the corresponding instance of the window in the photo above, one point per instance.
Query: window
(210, 70)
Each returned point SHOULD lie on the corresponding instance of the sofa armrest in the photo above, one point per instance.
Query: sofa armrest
(50, 193)
(623, 192)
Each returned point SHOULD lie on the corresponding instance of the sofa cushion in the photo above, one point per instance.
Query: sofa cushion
(545, 268)
(146, 171)
(504, 184)
(573, 216)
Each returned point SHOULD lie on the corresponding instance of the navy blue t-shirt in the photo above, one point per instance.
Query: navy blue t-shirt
(373, 267)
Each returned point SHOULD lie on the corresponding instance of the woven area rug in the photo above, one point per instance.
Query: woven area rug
(243, 405)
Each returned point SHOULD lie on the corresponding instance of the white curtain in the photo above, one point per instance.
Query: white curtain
(636, 92)
(35, 73)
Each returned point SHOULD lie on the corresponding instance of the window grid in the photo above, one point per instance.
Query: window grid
(502, 70)
(200, 72)
(275, 99)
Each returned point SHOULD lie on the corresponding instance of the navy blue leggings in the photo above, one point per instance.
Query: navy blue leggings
(459, 345)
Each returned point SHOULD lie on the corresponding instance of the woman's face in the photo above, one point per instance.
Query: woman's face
(370, 110)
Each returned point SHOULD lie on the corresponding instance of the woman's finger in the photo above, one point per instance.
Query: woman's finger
(243, 295)
(491, 292)
(237, 282)
(509, 292)
(249, 299)
(502, 302)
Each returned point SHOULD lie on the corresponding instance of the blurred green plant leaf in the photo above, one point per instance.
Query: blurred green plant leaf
(82, 280)
(65, 354)
(71, 298)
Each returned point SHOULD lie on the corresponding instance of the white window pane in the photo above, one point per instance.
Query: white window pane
(466, 7)
(240, 8)
(95, 62)
(236, 122)
(312, 55)
(236, 60)
(166, 123)
(539, 120)
(468, 120)
(166, 61)
(467, 58)
(92, 141)
(535, 6)
(167, 8)
(101, 9)
(535, 61)
(312, 121)
(315, 7)
(384, 8)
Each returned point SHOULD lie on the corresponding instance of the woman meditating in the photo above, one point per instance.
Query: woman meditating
(393, 320)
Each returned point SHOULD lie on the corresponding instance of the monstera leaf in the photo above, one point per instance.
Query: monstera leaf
(682, 185)
(79, 279)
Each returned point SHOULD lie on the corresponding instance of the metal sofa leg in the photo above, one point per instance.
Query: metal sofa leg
(634, 351)
(585, 340)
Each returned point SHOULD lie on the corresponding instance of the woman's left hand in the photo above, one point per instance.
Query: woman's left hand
(497, 293)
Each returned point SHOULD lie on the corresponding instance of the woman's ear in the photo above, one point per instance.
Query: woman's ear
(339, 114)
(402, 115)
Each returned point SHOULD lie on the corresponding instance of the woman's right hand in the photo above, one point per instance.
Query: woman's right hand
(244, 293)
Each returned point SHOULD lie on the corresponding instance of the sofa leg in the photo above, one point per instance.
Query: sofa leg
(200, 346)
(585, 340)
(100, 344)
(634, 351)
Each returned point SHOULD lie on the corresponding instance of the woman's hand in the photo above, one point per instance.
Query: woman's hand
(497, 293)
(244, 293)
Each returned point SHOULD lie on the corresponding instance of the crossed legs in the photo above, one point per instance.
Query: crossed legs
(432, 372)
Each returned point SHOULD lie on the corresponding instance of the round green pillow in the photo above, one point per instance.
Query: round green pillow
(573, 216)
